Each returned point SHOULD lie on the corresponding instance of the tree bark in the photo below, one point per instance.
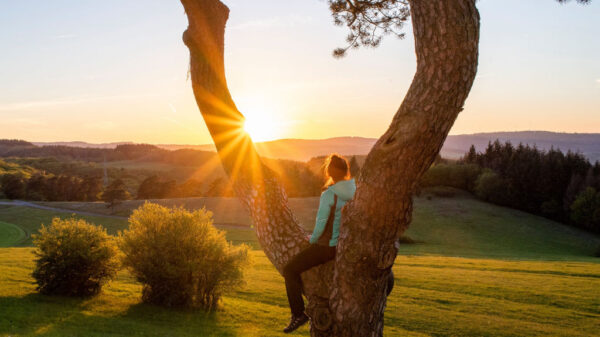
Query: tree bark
(446, 42)
(277, 229)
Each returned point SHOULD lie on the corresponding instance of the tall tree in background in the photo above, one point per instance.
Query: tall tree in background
(347, 297)
(36, 186)
(115, 193)
(91, 187)
(13, 186)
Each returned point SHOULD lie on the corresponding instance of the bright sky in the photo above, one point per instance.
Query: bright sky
(116, 70)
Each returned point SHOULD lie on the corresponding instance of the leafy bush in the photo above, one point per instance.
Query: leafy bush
(489, 186)
(585, 210)
(462, 176)
(74, 258)
(155, 187)
(115, 193)
(180, 257)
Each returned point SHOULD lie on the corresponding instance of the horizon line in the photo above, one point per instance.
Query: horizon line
(301, 139)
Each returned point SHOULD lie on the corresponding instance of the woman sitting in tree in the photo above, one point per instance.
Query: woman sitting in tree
(323, 241)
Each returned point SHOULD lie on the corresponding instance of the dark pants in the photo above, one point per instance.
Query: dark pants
(312, 256)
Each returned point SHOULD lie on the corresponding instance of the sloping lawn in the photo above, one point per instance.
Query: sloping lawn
(11, 235)
(433, 296)
(478, 270)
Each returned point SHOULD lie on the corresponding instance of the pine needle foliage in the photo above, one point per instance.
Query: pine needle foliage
(368, 21)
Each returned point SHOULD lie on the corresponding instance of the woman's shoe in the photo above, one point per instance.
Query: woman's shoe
(296, 322)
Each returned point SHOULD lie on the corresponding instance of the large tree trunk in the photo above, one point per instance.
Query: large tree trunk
(277, 229)
(446, 42)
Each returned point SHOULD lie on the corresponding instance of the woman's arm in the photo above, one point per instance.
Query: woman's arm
(325, 204)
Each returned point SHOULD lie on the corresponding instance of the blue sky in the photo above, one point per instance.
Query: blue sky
(111, 70)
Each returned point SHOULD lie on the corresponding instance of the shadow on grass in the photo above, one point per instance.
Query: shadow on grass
(39, 315)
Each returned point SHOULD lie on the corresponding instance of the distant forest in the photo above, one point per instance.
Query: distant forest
(561, 186)
(65, 173)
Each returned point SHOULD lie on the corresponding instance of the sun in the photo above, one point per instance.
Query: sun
(262, 122)
(261, 128)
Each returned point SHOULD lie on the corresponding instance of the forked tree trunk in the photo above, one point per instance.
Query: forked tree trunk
(446, 43)
(346, 297)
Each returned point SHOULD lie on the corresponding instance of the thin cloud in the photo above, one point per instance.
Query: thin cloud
(102, 126)
(28, 105)
(22, 121)
(18, 106)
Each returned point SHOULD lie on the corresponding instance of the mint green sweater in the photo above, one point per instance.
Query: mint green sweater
(345, 191)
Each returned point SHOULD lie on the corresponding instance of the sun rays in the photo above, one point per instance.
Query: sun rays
(230, 130)
(261, 128)
(234, 145)
(262, 117)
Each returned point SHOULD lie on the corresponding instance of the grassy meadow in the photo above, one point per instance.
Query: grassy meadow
(477, 270)
(11, 234)
(451, 226)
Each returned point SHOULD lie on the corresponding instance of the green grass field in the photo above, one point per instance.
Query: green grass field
(226, 210)
(434, 296)
(459, 226)
(11, 235)
(30, 219)
(480, 270)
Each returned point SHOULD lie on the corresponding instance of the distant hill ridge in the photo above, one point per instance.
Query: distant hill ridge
(456, 145)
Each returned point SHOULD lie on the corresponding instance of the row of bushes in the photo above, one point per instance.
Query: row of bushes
(179, 256)
(46, 187)
(51, 188)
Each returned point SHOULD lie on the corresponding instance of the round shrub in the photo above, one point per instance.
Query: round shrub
(585, 210)
(461, 176)
(74, 258)
(491, 187)
(180, 257)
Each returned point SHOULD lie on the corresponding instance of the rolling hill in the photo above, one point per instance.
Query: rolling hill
(456, 145)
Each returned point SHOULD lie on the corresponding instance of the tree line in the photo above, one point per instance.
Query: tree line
(298, 178)
(25, 182)
(561, 186)
(41, 187)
